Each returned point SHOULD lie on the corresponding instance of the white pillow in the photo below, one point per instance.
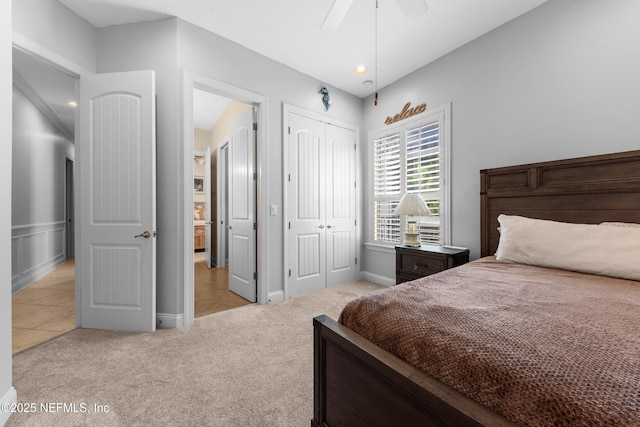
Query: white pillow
(595, 249)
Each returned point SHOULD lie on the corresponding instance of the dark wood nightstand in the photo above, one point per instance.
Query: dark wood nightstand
(415, 262)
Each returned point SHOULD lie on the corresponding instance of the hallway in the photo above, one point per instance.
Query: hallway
(44, 309)
(212, 292)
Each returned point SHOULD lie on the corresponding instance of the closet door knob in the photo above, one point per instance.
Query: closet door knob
(321, 226)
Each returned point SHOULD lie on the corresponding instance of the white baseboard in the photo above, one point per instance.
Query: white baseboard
(22, 281)
(276, 296)
(380, 280)
(164, 320)
(10, 397)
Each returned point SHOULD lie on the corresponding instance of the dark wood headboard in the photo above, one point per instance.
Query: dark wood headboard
(586, 190)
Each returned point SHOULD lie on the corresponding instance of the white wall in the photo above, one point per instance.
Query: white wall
(169, 46)
(54, 27)
(558, 82)
(7, 392)
(152, 46)
(207, 54)
(38, 224)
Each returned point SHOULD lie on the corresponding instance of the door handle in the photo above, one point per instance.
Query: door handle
(146, 235)
(329, 226)
(321, 226)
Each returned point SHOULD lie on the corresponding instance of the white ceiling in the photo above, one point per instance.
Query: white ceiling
(48, 87)
(207, 109)
(289, 32)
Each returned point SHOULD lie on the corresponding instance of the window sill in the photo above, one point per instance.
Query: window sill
(379, 247)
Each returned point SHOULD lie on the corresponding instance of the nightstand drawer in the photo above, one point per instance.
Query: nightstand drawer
(421, 265)
(415, 262)
(406, 277)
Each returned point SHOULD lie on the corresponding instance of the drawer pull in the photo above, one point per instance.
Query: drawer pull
(416, 266)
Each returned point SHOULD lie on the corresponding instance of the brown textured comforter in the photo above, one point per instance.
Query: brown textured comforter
(542, 347)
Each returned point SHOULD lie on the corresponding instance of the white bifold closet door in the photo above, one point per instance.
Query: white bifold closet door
(321, 187)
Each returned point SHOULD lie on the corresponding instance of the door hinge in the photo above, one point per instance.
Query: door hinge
(354, 147)
(289, 177)
(355, 222)
(255, 225)
(289, 225)
(356, 260)
(289, 130)
(255, 176)
(289, 272)
(255, 126)
(355, 184)
(255, 276)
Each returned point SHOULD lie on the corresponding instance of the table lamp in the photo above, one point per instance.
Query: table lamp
(411, 205)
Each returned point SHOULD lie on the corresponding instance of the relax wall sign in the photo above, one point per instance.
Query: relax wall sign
(407, 111)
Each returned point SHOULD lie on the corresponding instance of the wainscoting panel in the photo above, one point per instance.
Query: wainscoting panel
(36, 250)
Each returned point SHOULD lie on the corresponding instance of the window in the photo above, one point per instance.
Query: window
(411, 158)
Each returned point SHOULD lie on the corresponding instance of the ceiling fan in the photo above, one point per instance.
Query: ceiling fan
(340, 8)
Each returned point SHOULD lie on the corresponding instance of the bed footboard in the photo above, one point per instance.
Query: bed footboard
(356, 383)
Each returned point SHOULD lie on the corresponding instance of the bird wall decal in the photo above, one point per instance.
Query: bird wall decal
(326, 101)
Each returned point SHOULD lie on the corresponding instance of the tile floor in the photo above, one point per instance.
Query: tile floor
(211, 291)
(45, 309)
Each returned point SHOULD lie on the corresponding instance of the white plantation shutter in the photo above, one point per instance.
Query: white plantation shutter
(408, 159)
(423, 175)
(387, 226)
(423, 159)
(387, 166)
(387, 184)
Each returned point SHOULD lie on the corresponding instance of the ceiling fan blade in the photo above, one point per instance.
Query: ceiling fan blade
(336, 14)
(413, 7)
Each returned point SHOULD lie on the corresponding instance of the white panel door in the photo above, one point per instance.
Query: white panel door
(340, 204)
(242, 233)
(207, 207)
(116, 154)
(222, 203)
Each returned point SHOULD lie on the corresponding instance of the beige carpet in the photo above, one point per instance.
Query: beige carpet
(251, 366)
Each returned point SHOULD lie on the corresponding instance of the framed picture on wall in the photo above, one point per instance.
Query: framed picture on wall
(198, 184)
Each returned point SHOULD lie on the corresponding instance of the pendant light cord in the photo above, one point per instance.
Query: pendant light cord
(375, 101)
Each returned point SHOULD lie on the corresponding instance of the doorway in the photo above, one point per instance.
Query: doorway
(193, 81)
(69, 210)
(224, 233)
(43, 230)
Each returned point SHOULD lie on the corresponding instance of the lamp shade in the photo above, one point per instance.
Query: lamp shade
(412, 204)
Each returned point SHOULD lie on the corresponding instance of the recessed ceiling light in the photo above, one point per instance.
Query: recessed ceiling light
(367, 83)
(360, 70)
(72, 104)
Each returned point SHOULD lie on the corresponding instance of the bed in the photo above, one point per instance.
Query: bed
(589, 368)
